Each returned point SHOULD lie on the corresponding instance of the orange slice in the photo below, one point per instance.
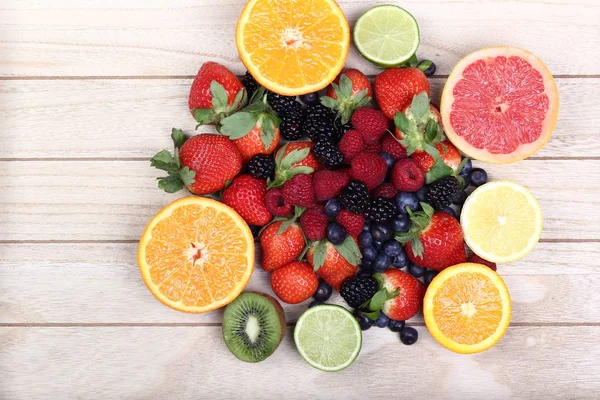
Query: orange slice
(196, 255)
(467, 308)
(293, 47)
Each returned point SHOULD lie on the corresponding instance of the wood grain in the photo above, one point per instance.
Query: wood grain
(158, 38)
(100, 284)
(193, 362)
(133, 118)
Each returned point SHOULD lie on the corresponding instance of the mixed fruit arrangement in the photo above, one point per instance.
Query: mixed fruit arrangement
(375, 203)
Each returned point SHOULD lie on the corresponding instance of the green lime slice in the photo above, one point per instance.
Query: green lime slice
(328, 337)
(386, 35)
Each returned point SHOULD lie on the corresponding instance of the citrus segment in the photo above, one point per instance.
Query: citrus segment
(196, 255)
(293, 47)
(467, 308)
(499, 104)
(502, 221)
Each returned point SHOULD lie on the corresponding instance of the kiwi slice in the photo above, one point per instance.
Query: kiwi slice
(253, 326)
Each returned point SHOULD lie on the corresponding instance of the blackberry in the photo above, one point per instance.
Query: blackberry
(319, 124)
(328, 154)
(250, 84)
(281, 104)
(291, 122)
(357, 290)
(442, 192)
(381, 210)
(262, 166)
(355, 197)
(343, 128)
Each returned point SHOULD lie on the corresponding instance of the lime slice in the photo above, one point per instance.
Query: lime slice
(328, 337)
(386, 35)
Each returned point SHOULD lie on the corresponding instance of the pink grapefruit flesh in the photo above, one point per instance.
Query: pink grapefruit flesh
(499, 105)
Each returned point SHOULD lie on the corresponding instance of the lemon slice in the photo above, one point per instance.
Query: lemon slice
(502, 221)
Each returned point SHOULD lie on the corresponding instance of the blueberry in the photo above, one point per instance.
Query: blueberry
(467, 167)
(255, 229)
(422, 193)
(460, 198)
(366, 265)
(466, 180)
(407, 199)
(389, 160)
(382, 321)
(427, 66)
(401, 223)
(381, 263)
(323, 292)
(315, 303)
(392, 248)
(367, 226)
(429, 275)
(365, 272)
(369, 253)
(449, 210)
(409, 335)
(310, 99)
(478, 176)
(416, 270)
(365, 239)
(363, 321)
(396, 326)
(333, 208)
(400, 260)
(378, 245)
(336, 233)
(381, 232)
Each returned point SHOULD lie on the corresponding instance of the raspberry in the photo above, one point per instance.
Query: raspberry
(351, 145)
(478, 260)
(329, 184)
(391, 145)
(385, 190)
(276, 204)
(299, 191)
(368, 168)
(407, 176)
(371, 123)
(353, 223)
(374, 147)
(314, 224)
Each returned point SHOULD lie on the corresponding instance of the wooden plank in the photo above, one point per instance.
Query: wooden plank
(144, 38)
(100, 283)
(113, 200)
(133, 118)
(193, 362)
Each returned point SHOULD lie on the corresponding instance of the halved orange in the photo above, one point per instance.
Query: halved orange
(196, 255)
(293, 47)
(467, 308)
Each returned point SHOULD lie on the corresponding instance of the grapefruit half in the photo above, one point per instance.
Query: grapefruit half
(499, 105)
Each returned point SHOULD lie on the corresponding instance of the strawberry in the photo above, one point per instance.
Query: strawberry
(329, 184)
(348, 92)
(246, 195)
(203, 163)
(351, 144)
(407, 176)
(292, 159)
(369, 168)
(276, 204)
(478, 260)
(395, 88)
(281, 243)
(448, 154)
(215, 93)
(371, 124)
(294, 282)
(314, 224)
(352, 223)
(385, 190)
(435, 239)
(409, 300)
(330, 264)
(391, 145)
(299, 191)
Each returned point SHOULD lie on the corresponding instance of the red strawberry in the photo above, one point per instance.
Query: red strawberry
(374, 147)
(371, 123)
(407, 176)
(215, 93)
(292, 159)
(246, 195)
(352, 143)
(334, 269)
(478, 260)
(448, 153)
(435, 239)
(299, 191)
(395, 88)
(352, 223)
(391, 145)
(314, 224)
(349, 91)
(276, 204)
(368, 168)
(204, 164)
(409, 300)
(294, 282)
(279, 249)
(329, 184)
(385, 190)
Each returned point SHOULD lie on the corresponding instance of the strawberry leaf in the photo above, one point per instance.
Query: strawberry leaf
(284, 226)
(378, 299)
(187, 176)
(349, 250)
(417, 247)
(293, 157)
(345, 86)
(241, 99)
(391, 295)
(303, 169)
(401, 122)
(320, 254)
(329, 102)
(438, 171)
(371, 315)
(420, 107)
(219, 96)
(165, 161)
(238, 125)
(427, 209)
(171, 183)
(178, 137)
(204, 116)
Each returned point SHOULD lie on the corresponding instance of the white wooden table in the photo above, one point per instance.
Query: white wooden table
(89, 90)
